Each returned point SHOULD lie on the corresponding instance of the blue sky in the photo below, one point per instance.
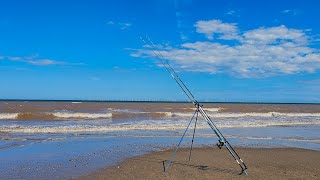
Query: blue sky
(246, 51)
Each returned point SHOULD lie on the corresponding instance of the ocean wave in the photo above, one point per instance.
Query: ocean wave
(213, 109)
(276, 138)
(79, 128)
(142, 115)
(268, 114)
(55, 115)
(209, 109)
(8, 115)
(82, 115)
(65, 115)
(146, 125)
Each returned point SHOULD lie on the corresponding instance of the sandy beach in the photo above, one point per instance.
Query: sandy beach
(213, 163)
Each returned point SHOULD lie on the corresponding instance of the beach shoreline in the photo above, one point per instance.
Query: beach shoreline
(207, 162)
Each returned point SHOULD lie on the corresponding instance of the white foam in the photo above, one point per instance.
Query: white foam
(207, 109)
(275, 138)
(79, 128)
(150, 125)
(182, 114)
(168, 114)
(82, 115)
(8, 115)
(268, 114)
(213, 109)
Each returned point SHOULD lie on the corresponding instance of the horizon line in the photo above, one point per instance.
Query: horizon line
(158, 101)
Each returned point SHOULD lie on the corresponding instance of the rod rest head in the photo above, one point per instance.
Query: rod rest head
(197, 105)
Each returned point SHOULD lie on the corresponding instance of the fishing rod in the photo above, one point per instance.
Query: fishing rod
(170, 70)
(222, 140)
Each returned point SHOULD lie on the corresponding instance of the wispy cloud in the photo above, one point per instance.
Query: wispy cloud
(120, 25)
(44, 62)
(231, 12)
(124, 26)
(110, 23)
(180, 25)
(261, 52)
(182, 17)
(292, 12)
(234, 13)
(35, 60)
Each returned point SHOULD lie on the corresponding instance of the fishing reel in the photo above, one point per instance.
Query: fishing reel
(220, 144)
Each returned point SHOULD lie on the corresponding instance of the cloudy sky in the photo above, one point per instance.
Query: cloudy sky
(243, 51)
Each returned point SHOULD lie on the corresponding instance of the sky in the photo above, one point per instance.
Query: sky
(224, 51)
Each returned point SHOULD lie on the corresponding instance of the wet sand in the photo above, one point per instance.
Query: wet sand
(212, 163)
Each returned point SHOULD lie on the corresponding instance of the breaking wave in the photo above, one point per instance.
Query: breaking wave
(79, 115)
(207, 109)
(82, 115)
(8, 115)
(152, 125)
(213, 109)
(131, 114)
(268, 114)
(142, 115)
(56, 115)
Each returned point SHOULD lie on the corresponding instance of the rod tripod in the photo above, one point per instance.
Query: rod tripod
(199, 110)
(221, 142)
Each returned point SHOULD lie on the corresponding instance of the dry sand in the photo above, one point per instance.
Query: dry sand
(213, 163)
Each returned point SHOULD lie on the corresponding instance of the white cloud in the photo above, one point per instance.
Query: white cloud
(44, 62)
(274, 34)
(217, 27)
(261, 52)
(286, 11)
(14, 58)
(33, 60)
(292, 12)
(110, 22)
(124, 26)
(231, 12)
(120, 25)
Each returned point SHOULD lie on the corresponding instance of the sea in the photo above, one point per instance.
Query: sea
(67, 139)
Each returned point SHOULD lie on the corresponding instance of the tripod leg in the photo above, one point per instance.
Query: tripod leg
(175, 151)
(194, 131)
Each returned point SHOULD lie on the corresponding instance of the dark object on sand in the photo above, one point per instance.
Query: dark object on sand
(222, 140)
